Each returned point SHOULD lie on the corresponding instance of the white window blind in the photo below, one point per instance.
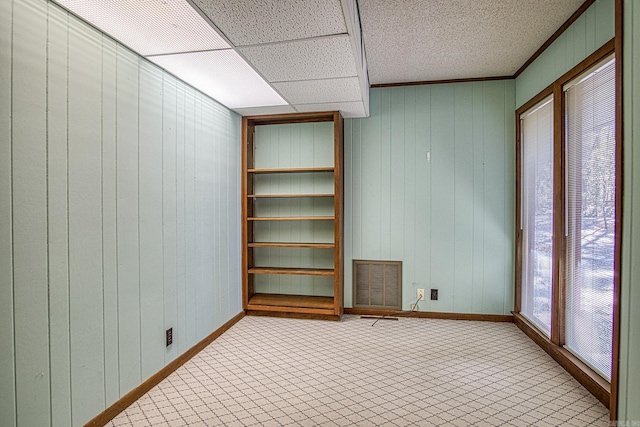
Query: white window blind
(590, 191)
(537, 213)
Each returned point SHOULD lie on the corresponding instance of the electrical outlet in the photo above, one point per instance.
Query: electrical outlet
(434, 294)
(414, 307)
(169, 336)
(420, 294)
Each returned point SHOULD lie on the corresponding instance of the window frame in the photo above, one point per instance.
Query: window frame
(554, 345)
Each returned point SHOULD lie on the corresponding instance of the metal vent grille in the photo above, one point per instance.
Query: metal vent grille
(377, 284)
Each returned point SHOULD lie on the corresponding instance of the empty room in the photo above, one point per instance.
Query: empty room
(319, 213)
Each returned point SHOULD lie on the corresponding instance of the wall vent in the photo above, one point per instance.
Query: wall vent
(377, 284)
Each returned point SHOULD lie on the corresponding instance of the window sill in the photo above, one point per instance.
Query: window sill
(586, 376)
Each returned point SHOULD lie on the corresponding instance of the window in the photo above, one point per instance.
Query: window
(537, 213)
(568, 246)
(590, 217)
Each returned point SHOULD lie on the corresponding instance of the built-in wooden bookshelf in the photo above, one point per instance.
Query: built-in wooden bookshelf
(280, 202)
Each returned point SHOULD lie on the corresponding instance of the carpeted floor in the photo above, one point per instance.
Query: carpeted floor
(411, 372)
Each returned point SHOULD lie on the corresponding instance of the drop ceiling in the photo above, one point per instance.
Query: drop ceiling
(281, 56)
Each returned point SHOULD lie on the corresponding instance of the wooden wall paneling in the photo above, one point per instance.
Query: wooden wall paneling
(477, 258)
(85, 221)
(463, 198)
(349, 140)
(29, 191)
(590, 36)
(629, 364)
(169, 212)
(57, 213)
(579, 29)
(397, 171)
(509, 195)
(494, 226)
(180, 331)
(109, 220)
(127, 220)
(587, 33)
(415, 155)
(442, 196)
(235, 126)
(422, 194)
(370, 179)
(150, 219)
(190, 216)
(204, 217)
(383, 174)
(7, 356)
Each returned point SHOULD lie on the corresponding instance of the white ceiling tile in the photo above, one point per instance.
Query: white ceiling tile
(349, 110)
(453, 39)
(260, 111)
(248, 22)
(320, 91)
(150, 27)
(318, 58)
(223, 75)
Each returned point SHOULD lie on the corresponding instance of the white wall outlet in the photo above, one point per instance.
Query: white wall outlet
(420, 294)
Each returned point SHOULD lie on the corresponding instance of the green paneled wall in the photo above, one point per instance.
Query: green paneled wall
(591, 30)
(294, 145)
(429, 181)
(629, 376)
(119, 217)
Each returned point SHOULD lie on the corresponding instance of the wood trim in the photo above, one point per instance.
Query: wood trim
(517, 300)
(558, 278)
(554, 36)
(338, 212)
(292, 245)
(247, 149)
(617, 266)
(286, 196)
(445, 81)
(593, 382)
(291, 218)
(299, 301)
(432, 315)
(606, 49)
(277, 119)
(125, 401)
(290, 170)
(295, 315)
(293, 271)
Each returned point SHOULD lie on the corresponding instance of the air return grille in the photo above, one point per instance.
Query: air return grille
(377, 284)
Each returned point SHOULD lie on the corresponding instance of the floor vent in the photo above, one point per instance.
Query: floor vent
(377, 284)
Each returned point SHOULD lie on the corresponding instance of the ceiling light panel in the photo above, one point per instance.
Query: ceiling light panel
(249, 22)
(320, 91)
(223, 75)
(318, 58)
(150, 27)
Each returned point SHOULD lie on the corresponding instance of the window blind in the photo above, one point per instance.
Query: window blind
(537, 213)
(590, 218)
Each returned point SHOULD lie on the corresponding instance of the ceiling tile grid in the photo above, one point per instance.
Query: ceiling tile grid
(349, 110)
(320, 91)
(453, 39)
(309, 59)
(249, 22)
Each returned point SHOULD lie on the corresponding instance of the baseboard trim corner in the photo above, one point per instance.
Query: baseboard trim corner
(432, 315)
(125, 401)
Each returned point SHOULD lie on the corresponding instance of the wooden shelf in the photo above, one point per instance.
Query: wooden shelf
(286, 196)
(291, 218)
(317, 186)
(293, 271)
(290, 170)
(299, 301)
(291, 245)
